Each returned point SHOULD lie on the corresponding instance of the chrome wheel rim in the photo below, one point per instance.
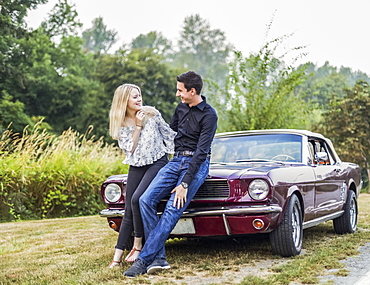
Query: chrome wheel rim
(296, 225)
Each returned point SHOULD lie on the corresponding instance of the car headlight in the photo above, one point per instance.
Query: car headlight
(258, 189)
(112, 192)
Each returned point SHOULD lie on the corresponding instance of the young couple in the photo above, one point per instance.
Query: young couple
(146, 139)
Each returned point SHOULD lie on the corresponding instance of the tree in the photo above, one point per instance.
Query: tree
(98, 38)
(62, 20)
(347, 124)
(327, 82)
(49, 73)
(155, 41)
(259, 93)
(140, 67)
(13, 30)
(203, 49)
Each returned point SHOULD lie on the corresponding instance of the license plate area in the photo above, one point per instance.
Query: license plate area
(184, 226)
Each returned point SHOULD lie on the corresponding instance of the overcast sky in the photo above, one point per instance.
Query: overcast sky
(337, 31)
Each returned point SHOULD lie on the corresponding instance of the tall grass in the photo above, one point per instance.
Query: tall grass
(44, 175)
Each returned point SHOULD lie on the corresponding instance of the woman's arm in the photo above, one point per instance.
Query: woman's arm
(140, 116)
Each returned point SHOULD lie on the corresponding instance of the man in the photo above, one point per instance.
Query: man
(195, 123)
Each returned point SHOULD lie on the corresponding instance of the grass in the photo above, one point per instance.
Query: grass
(78, 250)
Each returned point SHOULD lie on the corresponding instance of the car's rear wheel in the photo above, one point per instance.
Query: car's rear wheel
(347, 223)
(286, 239)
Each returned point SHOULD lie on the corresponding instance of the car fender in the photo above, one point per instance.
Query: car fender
(294, 189)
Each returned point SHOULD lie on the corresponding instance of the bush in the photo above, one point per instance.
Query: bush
(48, 176)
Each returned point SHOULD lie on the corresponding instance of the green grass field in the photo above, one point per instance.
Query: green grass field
(78, 251)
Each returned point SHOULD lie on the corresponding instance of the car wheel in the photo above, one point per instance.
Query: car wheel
(286, 239)
(347, 223)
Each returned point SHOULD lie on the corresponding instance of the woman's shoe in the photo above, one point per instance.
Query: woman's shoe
(131, 254)
(114, 264)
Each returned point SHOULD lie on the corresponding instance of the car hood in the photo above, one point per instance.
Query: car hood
(237, 170)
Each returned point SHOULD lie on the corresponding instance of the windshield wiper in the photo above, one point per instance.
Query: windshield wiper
(258, 160)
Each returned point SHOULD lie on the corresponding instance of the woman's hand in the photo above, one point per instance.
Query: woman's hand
(139, 118)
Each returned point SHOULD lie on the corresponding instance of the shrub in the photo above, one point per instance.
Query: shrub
(46, 176)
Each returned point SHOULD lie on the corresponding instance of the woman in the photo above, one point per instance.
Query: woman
(146, 139)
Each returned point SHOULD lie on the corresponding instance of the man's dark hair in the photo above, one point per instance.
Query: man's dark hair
(191, 79)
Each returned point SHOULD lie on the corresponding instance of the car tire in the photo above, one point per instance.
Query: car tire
(347, 223)
(286, 239)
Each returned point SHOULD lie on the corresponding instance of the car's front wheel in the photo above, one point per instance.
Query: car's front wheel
(347, 223)
(286, 239)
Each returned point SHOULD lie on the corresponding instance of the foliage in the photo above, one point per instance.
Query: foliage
(10, 110)
(259, 93)
(44, 175)
(98, 38)
(143, 68)
(155, 41)
(12, 30)
(203, 49)
(349, 126)
(50, 79)
(62, 20)
(327, 82)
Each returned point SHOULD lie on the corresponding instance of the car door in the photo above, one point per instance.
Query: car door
(330, 183)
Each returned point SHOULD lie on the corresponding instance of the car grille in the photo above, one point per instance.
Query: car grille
(213, 188)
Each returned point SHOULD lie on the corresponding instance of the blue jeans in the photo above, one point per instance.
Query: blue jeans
(157, 229)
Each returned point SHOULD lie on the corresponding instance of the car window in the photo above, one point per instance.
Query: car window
(318, 145)
(278, 147)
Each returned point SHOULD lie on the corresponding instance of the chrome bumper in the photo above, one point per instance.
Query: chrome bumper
(111, 213)
(227, 211)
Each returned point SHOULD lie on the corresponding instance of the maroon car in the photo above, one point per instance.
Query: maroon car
(277, 182)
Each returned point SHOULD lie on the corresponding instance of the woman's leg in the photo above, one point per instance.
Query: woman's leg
(133, 179)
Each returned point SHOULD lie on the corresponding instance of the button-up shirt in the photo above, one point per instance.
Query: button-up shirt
(195, 127)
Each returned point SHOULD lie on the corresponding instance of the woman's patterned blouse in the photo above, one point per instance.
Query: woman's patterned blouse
(156, 139)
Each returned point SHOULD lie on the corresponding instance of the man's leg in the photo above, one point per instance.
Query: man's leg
(158, 236)
(164, 182)
(171, 215)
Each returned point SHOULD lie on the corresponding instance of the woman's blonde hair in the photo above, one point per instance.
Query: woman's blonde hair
(118, 109)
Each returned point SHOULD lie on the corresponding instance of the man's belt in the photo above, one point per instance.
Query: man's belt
(187, 153)
(184, 153)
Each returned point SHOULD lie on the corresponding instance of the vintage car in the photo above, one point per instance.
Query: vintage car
(277, 182)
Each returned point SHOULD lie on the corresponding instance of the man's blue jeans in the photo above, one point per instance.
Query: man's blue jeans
(158, 229)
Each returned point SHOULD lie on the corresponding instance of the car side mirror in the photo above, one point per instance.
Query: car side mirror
(321, 156)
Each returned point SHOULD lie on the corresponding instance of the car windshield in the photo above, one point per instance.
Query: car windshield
(254, 148)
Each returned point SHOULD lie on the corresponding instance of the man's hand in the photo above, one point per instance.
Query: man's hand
(180, 196)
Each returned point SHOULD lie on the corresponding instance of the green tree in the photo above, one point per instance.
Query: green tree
(327, 82)
(9, 110)
(203, 49)
(141, 67)
(12, 31)
(98, 38)
(347, 124)
(259, 93)
(62, 20)
(52, 78)
(155, 41)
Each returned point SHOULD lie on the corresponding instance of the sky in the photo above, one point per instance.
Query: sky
(337, 31)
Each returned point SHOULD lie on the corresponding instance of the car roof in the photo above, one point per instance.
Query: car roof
(271, 131)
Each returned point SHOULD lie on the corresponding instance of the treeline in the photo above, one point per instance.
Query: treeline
(54, 79)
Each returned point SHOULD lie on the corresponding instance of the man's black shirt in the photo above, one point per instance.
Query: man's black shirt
(195, 127)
